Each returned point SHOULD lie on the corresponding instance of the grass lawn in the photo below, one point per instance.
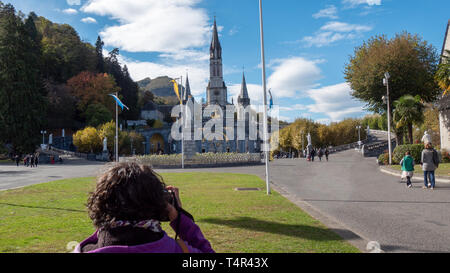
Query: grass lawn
(443, 170)
(44, 218)
(6, 161)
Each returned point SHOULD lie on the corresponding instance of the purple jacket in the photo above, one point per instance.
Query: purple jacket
(189, 232)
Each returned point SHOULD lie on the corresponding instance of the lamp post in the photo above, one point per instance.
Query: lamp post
(43, 137)
(386, 99)
(359, 136)
(265, 122)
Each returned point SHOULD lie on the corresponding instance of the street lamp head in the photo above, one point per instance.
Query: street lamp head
(387, 75)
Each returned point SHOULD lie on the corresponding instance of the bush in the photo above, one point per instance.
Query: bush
(445, 156)
(383, 159)
(414, 149)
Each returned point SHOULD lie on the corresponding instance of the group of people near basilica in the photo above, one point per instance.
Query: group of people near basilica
(29, 160)
(319, 152)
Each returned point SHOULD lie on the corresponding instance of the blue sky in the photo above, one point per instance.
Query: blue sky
(307, 43)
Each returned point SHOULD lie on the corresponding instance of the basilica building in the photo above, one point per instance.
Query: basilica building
(236, 124)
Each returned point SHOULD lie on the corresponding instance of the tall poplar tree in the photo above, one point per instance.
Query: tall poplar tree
(22, 95)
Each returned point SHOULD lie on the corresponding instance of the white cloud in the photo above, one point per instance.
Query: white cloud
(293, 76)
(344, 27)
(335, 101)
(335, 31)
(169, 27)
(329, 12)
(353, 3)
(74, 2)
(295, 107)
(89, 20)
(70, 11)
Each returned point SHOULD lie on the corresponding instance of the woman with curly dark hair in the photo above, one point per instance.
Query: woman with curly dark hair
(127, 206)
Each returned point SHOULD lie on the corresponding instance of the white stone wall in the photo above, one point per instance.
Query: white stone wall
(445, 134)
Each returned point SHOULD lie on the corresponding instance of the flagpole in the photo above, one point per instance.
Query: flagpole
(183, 124)
(265, 125)
(117, 130)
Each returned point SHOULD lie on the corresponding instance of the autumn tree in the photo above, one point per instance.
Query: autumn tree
(90, 88)
(88, 140)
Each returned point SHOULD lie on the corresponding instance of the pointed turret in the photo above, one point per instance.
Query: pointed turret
(243, 98)
(187, 92)
(215, 49)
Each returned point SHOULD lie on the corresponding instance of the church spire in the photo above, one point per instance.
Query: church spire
(243, 98)
(215, 49)
(187, 92)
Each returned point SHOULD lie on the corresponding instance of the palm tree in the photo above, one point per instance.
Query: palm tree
(408, 110)
(443, 74)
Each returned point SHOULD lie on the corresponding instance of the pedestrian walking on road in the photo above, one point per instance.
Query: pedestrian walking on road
(327, 153)
(407, 164)
(313, 154)
(429, 162)
(36, 160)
(32, 161)
(17, 158)
(320, 154)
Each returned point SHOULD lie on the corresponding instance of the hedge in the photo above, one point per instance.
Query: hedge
(414, 149)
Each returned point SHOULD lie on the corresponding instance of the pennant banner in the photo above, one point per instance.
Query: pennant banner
(119, 102)
(175, 87)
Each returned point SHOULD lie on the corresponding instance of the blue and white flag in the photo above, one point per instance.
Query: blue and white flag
(271, 100)
(119, 102)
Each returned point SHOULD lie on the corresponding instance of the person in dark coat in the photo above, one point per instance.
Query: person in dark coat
(17, 158)
(320, 154)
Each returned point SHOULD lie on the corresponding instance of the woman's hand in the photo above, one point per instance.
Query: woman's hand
(173, 213)
(177, 194)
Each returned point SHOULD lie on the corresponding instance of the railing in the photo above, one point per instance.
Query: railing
(75, 154)
(348, 146)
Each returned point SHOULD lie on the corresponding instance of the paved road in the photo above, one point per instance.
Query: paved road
(12, 176)
(349, 192)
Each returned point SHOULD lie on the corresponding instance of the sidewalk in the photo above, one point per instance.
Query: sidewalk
(417, 176)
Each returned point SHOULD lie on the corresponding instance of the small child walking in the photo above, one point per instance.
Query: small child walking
(407, 164)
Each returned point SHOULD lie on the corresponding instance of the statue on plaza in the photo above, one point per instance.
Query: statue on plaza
(309, 148)
(105, 144)
(426, 138)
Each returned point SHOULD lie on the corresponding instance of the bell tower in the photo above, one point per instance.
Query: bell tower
(217, 90)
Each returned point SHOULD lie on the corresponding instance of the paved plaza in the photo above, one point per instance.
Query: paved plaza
(348, 194)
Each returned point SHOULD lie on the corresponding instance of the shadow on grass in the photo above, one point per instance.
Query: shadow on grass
(299, 231)
(37, 207)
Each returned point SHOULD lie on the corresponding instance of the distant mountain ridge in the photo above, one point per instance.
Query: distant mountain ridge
(160, 87)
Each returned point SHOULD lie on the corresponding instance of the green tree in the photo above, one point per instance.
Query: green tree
(411, 62)
(22, 94)
(97, 114)
(99, 52)
(64, 54)
(443, 73)
(408, 111)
